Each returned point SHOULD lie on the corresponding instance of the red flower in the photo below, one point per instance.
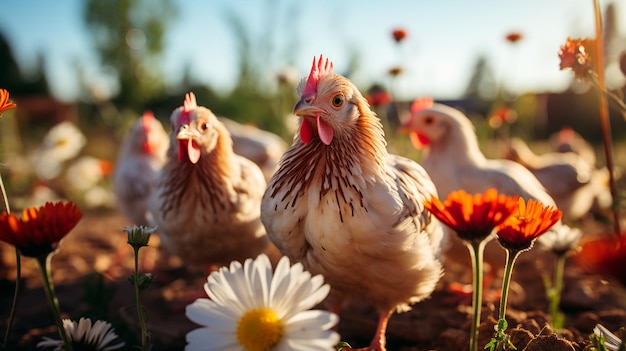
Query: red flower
(526, 224)
(514, 37)
(41, 229)
(503, 114)
(399, 34)
(473, 217)
(4, 101)
(578, 54)
(605, 255)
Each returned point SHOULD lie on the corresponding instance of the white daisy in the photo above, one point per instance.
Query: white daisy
(252, 308)
(85, 336)
(611, 341)
(560, 240)
(63, 142)
(84, 173)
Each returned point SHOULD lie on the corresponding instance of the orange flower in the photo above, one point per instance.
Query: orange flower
(514, 37)
(399, 34)
(605, 255)
(41, 229)
(395, 71)
(578, 55)
(4, 101)
(529, 221)
(473, 217)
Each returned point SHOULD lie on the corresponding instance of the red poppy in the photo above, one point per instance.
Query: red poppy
(399, 34)
(514, 37)
(473, 217)
(605, 255)
(526, 224)
(4, 101)
(40, 230)
(578, 54)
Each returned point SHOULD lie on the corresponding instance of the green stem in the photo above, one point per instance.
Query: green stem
(44, 268)
(145, 337)
(557, 288)
(511, 256)
(18, 271)
(476, 254)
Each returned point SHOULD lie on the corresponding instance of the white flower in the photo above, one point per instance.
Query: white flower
(252, 308)
(560, 239)
(63, 142)
(85, 336)
(85, 173)
(611, 341)
(98, 196)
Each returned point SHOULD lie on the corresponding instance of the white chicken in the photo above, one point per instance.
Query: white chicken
(569, 179)
(140, 158)
(207, 199)
(453, 159)
(346, 209)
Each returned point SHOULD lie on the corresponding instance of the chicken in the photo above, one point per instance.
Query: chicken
(567, 140)
(260, 146)
(207, 199)
(141, 156)
(346, 209)
(453, 159)
(569, 179)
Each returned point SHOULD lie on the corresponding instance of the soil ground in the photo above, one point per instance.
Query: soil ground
(91, 268)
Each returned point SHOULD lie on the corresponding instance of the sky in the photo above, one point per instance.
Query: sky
(445, 39)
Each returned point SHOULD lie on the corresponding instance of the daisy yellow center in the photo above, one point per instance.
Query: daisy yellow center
(259, 329)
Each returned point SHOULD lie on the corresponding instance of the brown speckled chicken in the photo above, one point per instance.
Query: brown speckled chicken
(207, 200)
(140, 158)
(346, 209)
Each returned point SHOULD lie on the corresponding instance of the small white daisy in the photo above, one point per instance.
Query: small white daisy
(84, 173)
(85, 336)
(560, 240)
(63, 142)
(611, 341)
(254, 309)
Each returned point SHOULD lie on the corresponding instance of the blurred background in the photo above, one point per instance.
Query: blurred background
(101, 64)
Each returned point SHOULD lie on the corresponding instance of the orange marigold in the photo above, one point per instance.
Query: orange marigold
(604, 255)
(526, 224)
(4, 101)
(40, 230)
(472, 217)
(578, 54)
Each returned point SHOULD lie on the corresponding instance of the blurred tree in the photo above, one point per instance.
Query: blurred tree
(10, 74)
(482, 87)
(129, 37)
(255, 98)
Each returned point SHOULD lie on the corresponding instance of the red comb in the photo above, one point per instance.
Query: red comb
(147, 117)
(319, 69)
(188, 105)
(421, 104)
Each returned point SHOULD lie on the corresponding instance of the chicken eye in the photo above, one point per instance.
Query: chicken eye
(338, 100)
(204, 126)
(429, 120)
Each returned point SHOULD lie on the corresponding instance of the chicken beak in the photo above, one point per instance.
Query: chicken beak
(186, 143)
(304, 109)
